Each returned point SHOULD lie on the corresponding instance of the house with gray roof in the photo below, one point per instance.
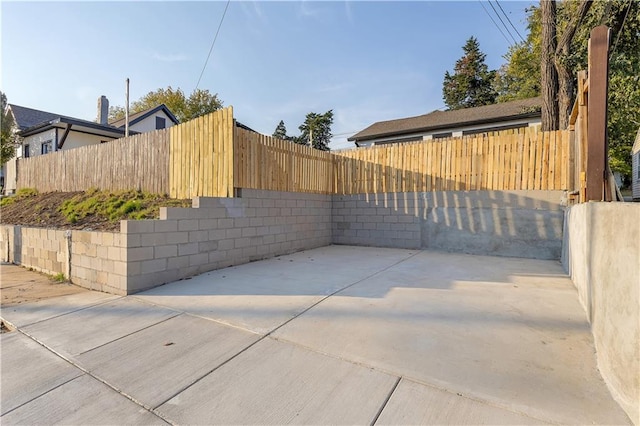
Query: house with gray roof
(43, 132)
(454, 123)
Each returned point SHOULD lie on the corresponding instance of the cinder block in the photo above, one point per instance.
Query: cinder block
(249, 232)
(217, 234)
(187, 249)
(177, 262)
(119, 267)
(140, 253)
(155, 265)
(233, 233)
(225, 223)
(132, 240)
(205, 202)
(165, 225)
(177, 237)
(207, 246)
(241, 222)
(188, 224)
(170, 250)
(242, 243)
(155, 239)
(136, 226)
(227, 244)
(207, 224)
(198, 259)
(113, 253)
(198, 236)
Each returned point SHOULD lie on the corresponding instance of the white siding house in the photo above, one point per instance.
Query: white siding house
(455, 123)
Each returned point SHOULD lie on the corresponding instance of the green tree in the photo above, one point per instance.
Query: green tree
(199, 102)
(8, 140)
(471, 84)
(316, 130)
(519, 77)
(281, 131)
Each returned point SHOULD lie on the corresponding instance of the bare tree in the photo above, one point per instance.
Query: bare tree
(566, 82)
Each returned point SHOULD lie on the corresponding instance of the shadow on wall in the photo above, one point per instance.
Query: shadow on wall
(518, 223)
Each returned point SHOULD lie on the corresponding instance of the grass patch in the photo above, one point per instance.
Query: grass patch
(116, 206)
(59, 278)
(20, 194)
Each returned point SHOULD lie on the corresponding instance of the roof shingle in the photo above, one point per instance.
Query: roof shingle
(446, 119)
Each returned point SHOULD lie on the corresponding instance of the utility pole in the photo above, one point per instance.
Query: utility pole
(310, 135)
(126, 110)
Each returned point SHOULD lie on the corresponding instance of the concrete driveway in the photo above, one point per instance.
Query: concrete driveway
(336, 335)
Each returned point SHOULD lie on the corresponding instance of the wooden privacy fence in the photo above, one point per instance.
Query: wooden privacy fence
(210, 156)
(263, 162)
(528, 159)
(201, 156)
(137, 162)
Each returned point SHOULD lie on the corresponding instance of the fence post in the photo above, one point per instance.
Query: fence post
(597, 114)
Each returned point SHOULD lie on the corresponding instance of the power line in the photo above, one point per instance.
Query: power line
(509, 20)
(621, 27)
(494, 22)
(213, 43)
(503, 24)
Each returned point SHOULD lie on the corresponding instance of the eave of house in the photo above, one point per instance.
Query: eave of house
(447, 126)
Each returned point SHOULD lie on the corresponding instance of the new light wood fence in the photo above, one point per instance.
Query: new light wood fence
(210, 156)
(201, 156)
(529, 159)
(137, 162)
(263, 162)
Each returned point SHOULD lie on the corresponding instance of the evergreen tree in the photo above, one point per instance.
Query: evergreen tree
(316, 130)
(471, 84)
(281, 131)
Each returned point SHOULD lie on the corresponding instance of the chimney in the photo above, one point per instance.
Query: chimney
(103, 110)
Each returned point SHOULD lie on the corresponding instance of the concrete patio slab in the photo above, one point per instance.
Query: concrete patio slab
(80, 331)
(261, 296)
(158, 362)
(279, 383)
(82, 401)
(507, 331)
(30, 313)
(415, 337)
(416, 404)
(29, 370)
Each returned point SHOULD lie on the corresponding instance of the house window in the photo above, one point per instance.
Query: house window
(161, 123)
(442, 135)
(46, 147)
(26, 151)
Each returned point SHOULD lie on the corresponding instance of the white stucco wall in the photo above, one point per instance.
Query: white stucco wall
(76, 140)
(149, 123)
(35, 142)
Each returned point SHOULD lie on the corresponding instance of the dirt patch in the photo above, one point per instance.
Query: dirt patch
(90, 210)
(19, 285)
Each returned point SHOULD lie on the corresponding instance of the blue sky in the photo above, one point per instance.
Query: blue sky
(368, 61)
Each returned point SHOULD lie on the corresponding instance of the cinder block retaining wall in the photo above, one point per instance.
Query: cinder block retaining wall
(602, 255)
(216, 233)
(503, 223)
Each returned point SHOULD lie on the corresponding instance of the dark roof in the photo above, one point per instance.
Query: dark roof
(436, 120)
(31, 121)
(139, 116)
(29, 117)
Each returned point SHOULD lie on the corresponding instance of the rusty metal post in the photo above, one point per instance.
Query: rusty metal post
(597, 114)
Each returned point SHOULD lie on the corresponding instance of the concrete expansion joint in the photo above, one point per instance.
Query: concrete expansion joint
(84, 372)
(61, 315)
